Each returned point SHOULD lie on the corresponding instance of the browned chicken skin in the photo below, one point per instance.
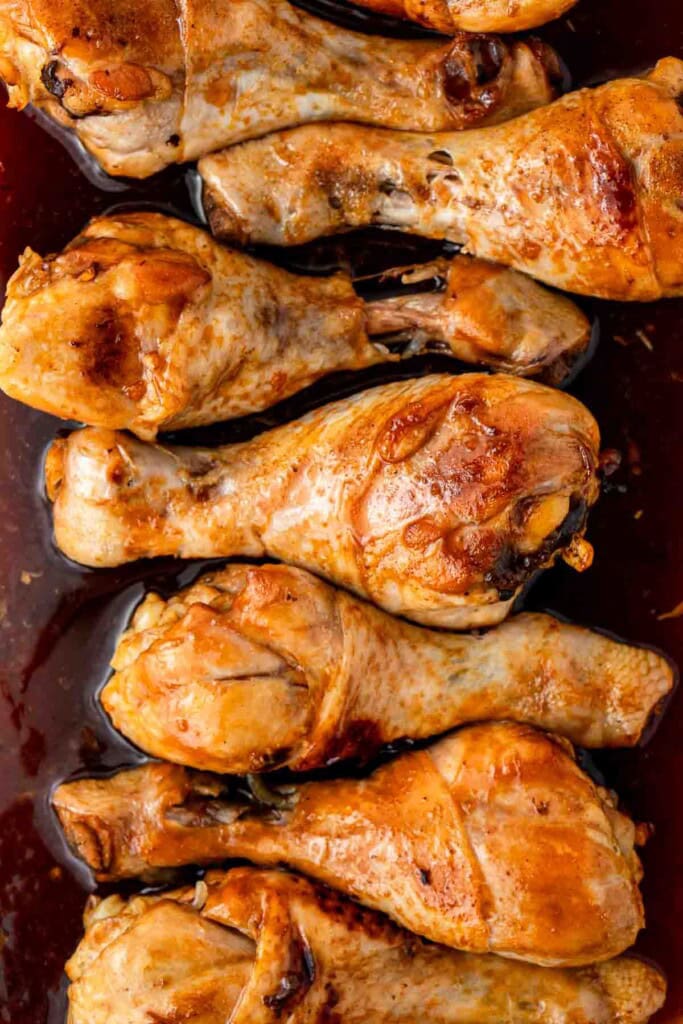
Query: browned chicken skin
(436, 498)
(583, 194)
(148, 84)
(256, 667)
(491, 840)
(145, 323)
(250, 945)
(473, 15)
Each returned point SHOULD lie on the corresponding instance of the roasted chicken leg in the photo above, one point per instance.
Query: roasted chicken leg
(491, 840)
(145, 323)
(473, 15)
(583, 194)
(257, 667)
(148, 84)
(250, 946)
(436, 498)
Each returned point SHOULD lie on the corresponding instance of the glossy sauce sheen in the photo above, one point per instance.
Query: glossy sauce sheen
(58, 623)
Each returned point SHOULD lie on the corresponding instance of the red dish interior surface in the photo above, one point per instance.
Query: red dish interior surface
(58, 623)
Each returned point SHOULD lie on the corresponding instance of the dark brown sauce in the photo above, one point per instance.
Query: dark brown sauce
(58, 622)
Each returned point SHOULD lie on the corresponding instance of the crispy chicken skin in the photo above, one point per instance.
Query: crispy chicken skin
(249, 945)
(473, 15)
(148, 84)
(436, 498)
(491, 840)
(257, 667)
(144, 322)
(583, 194)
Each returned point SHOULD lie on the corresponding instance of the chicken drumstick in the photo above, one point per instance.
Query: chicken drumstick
(436, 498)
(249, 946)
(256, 667)
(473, 15)
(583, 194)
(148, 84)
(145, 323)
(491, 840)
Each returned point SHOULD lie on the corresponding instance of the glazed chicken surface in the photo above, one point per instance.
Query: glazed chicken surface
(143, 322)
(144, 85)
(491, 840)
(436, 498)
(583, 194)
(473, 15)
(250, 945)
(258, 667)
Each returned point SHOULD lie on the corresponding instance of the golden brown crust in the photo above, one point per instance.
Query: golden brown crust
(491, 840)
(146, 85)
(145, 323)
(582, 194)
(473, 15)
(100, 30)
(198, 678)
(250, 945)
(436, 498)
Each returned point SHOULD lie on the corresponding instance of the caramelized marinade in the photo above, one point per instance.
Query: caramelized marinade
(58, 622)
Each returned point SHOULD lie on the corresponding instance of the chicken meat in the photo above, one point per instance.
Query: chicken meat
(259, 667)
(144, 85)
(583, 194)
(436, 498)
(145, 323)
(249, 946)
(491, 840)
(473, 15)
